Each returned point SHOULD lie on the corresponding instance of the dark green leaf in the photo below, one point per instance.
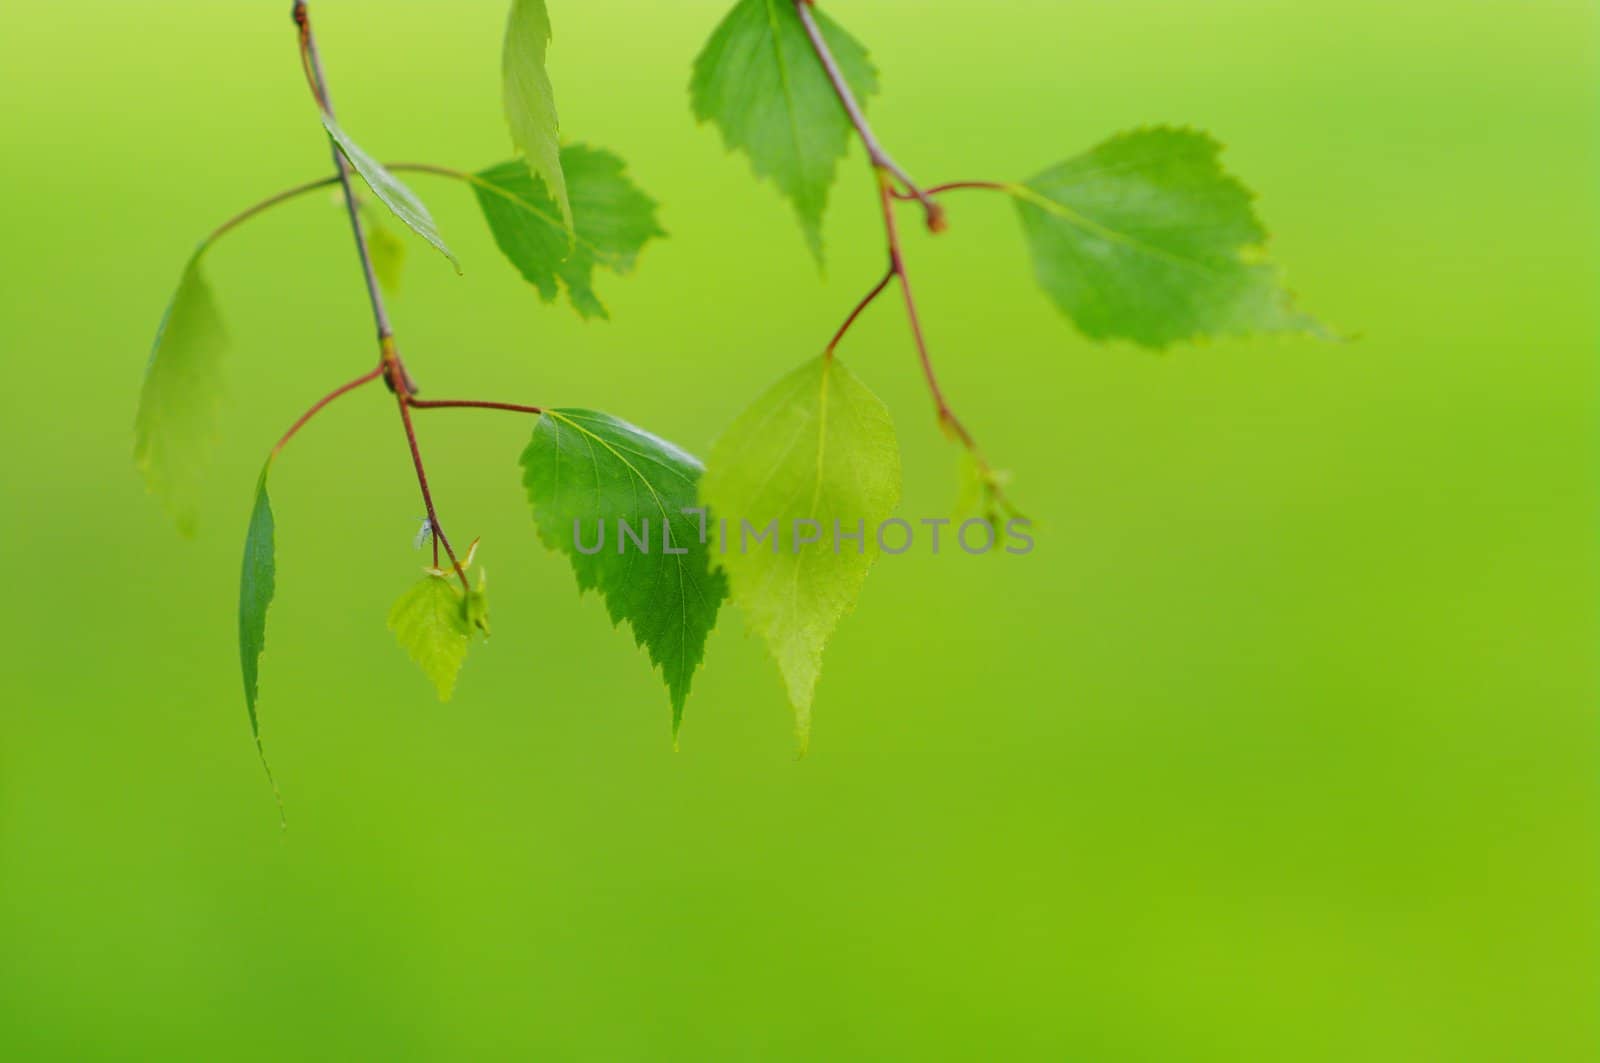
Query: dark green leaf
(1147, 238)
(257, 584)
(613, 221)
(176, 425)
(585, 471)
(760, 82)
(388, 188)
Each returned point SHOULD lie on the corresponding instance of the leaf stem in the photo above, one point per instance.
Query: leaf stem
(316, 407)
(266, 204)
(881, 160)
(956, 186)
(470, 404)
(865, 302)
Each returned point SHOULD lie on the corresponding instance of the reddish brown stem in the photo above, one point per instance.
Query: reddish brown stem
(404, 402)
(365, 378)
(470, 404)
(948, 420)
(955, 186)
(876, 291)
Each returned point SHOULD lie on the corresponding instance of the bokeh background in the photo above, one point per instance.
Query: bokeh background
(1281, 746)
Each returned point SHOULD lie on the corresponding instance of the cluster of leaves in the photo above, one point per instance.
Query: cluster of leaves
(1143, 238)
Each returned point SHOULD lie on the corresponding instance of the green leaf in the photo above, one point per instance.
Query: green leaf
(613, 220)
(257, 584)
(585, 470)
(1147, 238)
(388, 250)
(530, 101)
(176, 425)
(433, 622)
(389, 189)
(760, 82)
(819, 447)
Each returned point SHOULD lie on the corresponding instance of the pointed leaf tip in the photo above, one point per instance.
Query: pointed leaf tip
(814, 457)
(530, 101)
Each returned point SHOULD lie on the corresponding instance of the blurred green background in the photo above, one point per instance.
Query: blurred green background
(1281, 745)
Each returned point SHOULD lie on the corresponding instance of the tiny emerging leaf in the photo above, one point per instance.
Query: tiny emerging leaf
(1147, 238)
(530, 101)
(433, 622)
(810, 462)
(619, 502)
(613, 221)
(176, 425)
(760, 82)
(389, 189)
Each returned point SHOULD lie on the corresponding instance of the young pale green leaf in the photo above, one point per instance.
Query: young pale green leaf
(389, 189)
(531, 102)
(817, 457)
(1147, 238)
(613, 221)
(433, 622)
(387, 249)
(176, 424)
(618, 502)
(257, 584)
(760, 82)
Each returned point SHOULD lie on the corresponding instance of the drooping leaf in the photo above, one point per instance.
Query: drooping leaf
(530, 101)
(1147, 238)
(389, 189)
(762, 84)
(816, 455)
(434, 624)
(257, 584)
(176, 425)
(388, 250)
(584, 473)
(612, 220)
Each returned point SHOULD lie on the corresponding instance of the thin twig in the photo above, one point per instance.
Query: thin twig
(365, 378)
(390, 365)
(955, 186)
(852, 108)
(404, 402)
(471, 404)
(866, 301)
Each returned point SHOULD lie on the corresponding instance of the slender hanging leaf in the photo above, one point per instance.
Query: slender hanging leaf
(1147, 238)
(530, 101)
(815, 458)
(176, 425)
(762, 84)
(388, 250)
(587, 475)
(613, 221)
(257, 584)
(433, 622)
(388, 188)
